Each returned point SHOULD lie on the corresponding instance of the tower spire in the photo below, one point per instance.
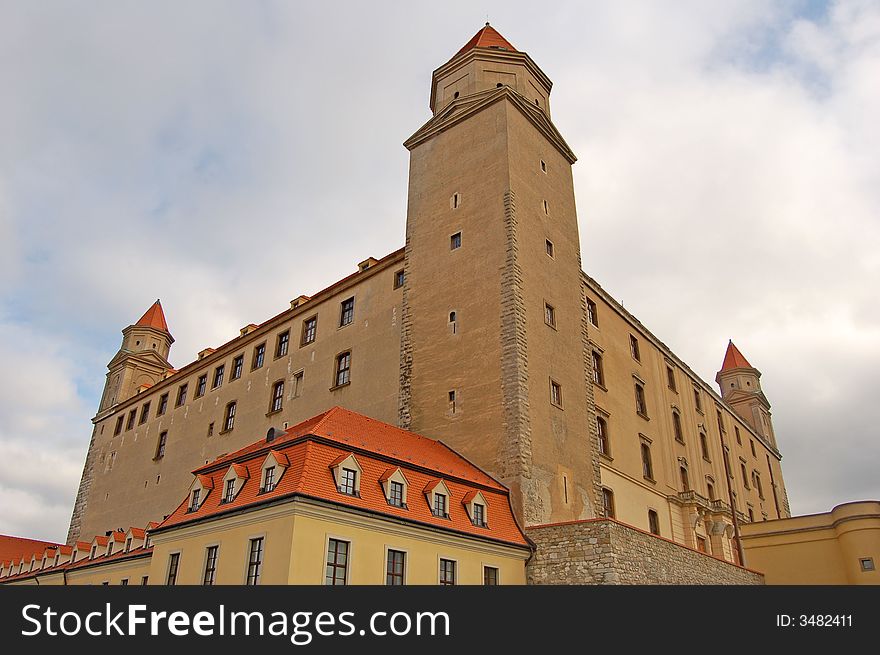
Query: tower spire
(154, 317)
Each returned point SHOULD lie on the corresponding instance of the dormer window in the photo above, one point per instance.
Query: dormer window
(476, 504)
(94, 550)
(440, 506)
(194, 502)
(229, 492)
(479, 515)
(395, 497)
(273, 468)
(233, 481)
(395, 485)
(269, 477)
(128, 544)
(347, 474)
(437, 495)
(347, 481)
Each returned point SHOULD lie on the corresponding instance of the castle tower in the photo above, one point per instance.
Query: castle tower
(740, 384)
(493, 360)
(141, 361)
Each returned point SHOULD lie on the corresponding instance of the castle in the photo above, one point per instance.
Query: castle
(484, 332)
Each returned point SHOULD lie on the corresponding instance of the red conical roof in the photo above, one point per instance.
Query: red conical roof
(733, 358)
(487, 37)
(154, 318)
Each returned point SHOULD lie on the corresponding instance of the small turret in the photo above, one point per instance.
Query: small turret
(740, 384)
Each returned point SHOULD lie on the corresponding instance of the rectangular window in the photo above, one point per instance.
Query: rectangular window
(229, 418)
(758, 485)
(255, 562)
(447, 572)
(398, 279)
(211, 429)
(259, 356)
(173, 563)
(738, 437)
(592, 314)
(698, 400)
(701, 544)
(343, 369)
(546, 207)
(277, 397)
(298, 383)
(395, 568)
(745, 475)
(752, 444)
(201, 385)
(160, 447)
(598, 371)
(194, 500)
(118, 430)
(237, 367)
(549, 315)
(555, 393)
(145, 412)
(685, 479)
(282, 343)
(124, 582)
(710, 489)
(634, 348)
(145, 580)
(181, 395)
(720, 420)
(337, 562)
(218, 376)
(346, 312)
(309, 331)
(608, 502)
(866, 563)
(132, 415)
(229, 492)
(395, 495)
(676, 426)
(455, 241)
(348, 482)
(641, 405)
(440, 506)
(704, 447)
(670, 378)
(653, 522)
(269, 479)
(751, 515)
(490, 576)
(479, 519)
(548, 245)
(163, 404)
(647, 468)
(210, 566)
(602, 430)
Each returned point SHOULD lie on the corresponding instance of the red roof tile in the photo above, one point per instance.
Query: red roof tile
(13, 548)
(154, 318)
(733, 358)
(487, 37)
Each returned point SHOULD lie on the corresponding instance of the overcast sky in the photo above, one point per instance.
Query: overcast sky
(229, 156)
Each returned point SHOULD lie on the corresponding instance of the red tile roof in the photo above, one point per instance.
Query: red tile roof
(487, 37)
(13, 548)
(154, 318)
(314, 445)
(733, 358)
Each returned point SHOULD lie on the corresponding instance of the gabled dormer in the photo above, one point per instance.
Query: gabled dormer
(98, 546)
(233, 481)
(81, 551)
(347, 474)
(438, 497)
(271, 470)
(198, 491)
(395, 486)
(477, 508)
(134, 538)
(116, 542)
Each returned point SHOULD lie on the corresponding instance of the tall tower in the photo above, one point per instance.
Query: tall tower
(142, 359)
(494, 358)
(740, 384)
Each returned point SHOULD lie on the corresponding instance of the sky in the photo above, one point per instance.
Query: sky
(227, 157)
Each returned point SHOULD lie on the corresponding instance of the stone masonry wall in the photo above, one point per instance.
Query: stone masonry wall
(604, 551)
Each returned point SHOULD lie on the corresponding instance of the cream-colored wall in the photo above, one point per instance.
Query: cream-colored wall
(295, 548)
(130, 494)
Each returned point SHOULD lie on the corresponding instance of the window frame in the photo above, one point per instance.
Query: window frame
(217, 379)
(201, 385)
(211, 557)
(258, 359)
(455, 241)
(393, 578)
(161, 445)
(308, 331)
(608, 503)
(276, 400)
(162, 407)
(173, 569)
(556, 396)
(331, 580)
(237, 367)
(229, 416)
(346, 312)
(255, 567)
(180, 399)
(282, 343)
(447, 565)
(342, 374)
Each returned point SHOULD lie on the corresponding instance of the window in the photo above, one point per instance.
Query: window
(229, 493)
(229, 418)
(309, 331)
(634, 348)
(259, 356)
(201, 385)
(455, 241)
(181, 395)
(456, 200)
(751, 515)
(395, 568)
(163, 404)
(194, 501)
(145, 580)
(211, 429)
(752, 443)
(124, 582)
(676, 426)
(653, 522)
(738, 437)
(602, 430)
(160, 447)
(269, 482)
(866, 563)
(745, 475)
(704, 446)
(398, 279)
(210, 566)
(543, 166)
(145, 413)
(698, 400)
(439, 508)
(555, 393)
(237, 366)
(277, 397)
(218, 376)
(727, 463)
(546, 208)
(447, 572)
(281, 343)
(127, 545)
(255, 562)
(451, 396)
(479, 518)
(549, 315)
(608, 502)
(132, 415)
(490, 576)
(348, 482)
(685, 480)
(641, 405)
(343, 369)
(337, 562)
(670, 378)
(549, 247)
(701, 544)
(119, 421)
(720, 420)
(173, 563)
(592, 314)
(647, 468)
(710, 488)
(94, 550)
(758, 485)
(395, 495)
(346, 315)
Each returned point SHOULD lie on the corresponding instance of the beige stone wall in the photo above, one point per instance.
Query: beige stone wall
(603, 551)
